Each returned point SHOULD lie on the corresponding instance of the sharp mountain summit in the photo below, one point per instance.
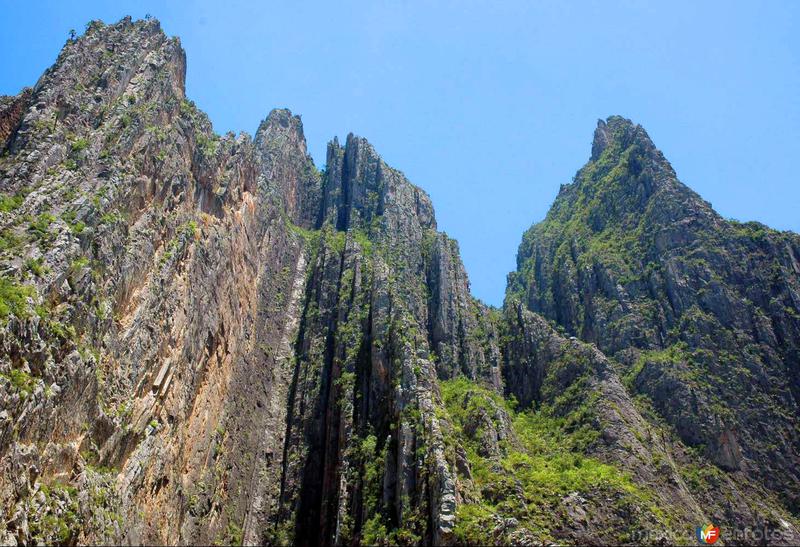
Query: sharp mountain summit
(205, 339)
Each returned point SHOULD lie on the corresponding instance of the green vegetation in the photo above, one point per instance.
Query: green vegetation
(78, 264)
(701, 477)
(59, 520)
(40, 227)
(9, 241)
(188, 108)
(70, 217)
(104, 504)
(602, 218)
(190, 228)
(158, 132)
(373, 461)
(11, 203)
(310, 237)
(79, 145)
(207, 145)
(234, 535)
(36, 266)
(77, 227)
(532, 471)
(64, 331)
(14, 298)
(111, 217)
(179, 241)
(334, 239)
(22, 382)
(749, 231)
(674, 355)
(363, 241)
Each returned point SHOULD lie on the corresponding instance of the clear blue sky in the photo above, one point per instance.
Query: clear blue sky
(489, 106)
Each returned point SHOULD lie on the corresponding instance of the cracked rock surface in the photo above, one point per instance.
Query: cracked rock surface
(205, 339)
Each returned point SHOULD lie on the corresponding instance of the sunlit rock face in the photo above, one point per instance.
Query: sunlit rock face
(205, 339)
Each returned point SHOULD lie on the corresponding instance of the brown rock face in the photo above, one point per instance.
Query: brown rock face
(164, 279)
(11, 111)
(227, 341)
(205, 339)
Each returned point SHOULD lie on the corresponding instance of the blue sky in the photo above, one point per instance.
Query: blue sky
(489, 106)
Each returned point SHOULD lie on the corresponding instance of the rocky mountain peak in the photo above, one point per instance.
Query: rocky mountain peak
(105, 58)
(621, 132)
(288, 172)
(206, 340)
(632, 260)
(280, 123)
(360, 188)
(624, 158)
(601, 139)
(627, 180)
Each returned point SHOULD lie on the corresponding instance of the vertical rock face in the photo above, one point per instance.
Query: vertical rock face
(700, 312)
(206, 339)
(11, 111)
(286, 168)
(364, 451)
(133, 350)
(207, 334)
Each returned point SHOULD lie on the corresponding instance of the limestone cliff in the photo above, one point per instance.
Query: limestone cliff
(205, 339)
(699, 312)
